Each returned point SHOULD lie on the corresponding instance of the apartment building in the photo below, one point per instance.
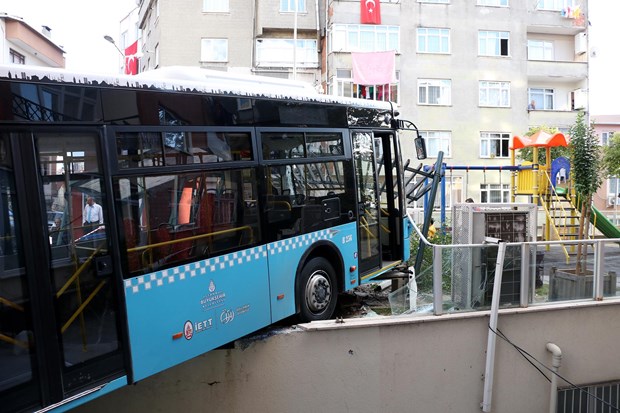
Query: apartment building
(470, 74)
(22, 44)
(251, 37)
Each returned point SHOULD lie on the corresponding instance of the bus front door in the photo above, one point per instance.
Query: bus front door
(369, 243)
(59, 312)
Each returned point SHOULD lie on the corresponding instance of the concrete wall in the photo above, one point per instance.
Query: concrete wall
(385, 364)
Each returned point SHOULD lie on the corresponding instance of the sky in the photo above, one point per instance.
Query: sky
(79, 26)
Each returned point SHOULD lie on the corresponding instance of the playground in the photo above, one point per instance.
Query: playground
(546, 185)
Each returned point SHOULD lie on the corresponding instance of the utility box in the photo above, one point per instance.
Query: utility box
(473, 267)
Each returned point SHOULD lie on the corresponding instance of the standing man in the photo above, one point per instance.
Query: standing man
(93, 214)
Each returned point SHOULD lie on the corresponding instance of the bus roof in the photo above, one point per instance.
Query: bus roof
(189, 79)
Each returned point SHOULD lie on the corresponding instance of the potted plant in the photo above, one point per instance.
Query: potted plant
(587, 171)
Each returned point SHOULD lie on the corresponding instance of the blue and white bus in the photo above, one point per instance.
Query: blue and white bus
(226, 204)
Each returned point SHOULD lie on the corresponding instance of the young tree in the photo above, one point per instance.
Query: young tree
(611, 156)
(587, 173)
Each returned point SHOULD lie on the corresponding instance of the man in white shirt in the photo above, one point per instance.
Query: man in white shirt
(93, 213)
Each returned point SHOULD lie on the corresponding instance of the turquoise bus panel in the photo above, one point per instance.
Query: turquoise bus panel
(408, 228)
(284, 258)
(179, 313)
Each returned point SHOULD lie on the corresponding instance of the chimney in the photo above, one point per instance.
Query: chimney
(47, 32)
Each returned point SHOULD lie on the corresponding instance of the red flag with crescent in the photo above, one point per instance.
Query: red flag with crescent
(131, 60)
(370, 12)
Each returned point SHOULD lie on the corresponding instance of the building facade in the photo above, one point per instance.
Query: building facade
(250, 37)
(470, 74)
(21, 44)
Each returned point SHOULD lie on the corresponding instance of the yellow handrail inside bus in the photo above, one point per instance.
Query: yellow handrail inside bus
(13, 341)
(11, 304)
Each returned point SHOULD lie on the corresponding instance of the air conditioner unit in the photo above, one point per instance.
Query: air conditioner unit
(612, 200)
(581, 43)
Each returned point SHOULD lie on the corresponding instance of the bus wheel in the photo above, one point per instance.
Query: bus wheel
(318, 292)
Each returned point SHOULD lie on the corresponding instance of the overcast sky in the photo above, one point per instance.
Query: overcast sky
(79, 26)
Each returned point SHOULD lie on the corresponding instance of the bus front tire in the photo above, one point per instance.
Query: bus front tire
(318, 293)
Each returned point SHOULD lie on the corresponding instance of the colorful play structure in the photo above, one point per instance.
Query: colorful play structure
(548, 186)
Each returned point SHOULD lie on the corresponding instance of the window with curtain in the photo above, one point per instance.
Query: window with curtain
(493, 43)
(434, 91)
(495, 94)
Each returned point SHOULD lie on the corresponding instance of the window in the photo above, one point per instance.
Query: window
(495, 94)
(493, 43)
(437, 141)
(432, 40)
(279, 53)
(606, 138)
(342, 85)
(215, 6)
(494, 145)
(613, 186)
(301, 145)
(17, 58)
(543, 98)
(364, 38)
(500, 3)
(434, 1)
(589, 398)
(289, 5)
(191, 216)
(214, 50)
(493, 193)
(556, 5)
(539, 50)
(434, 91)
(454, 191)
(148, 149)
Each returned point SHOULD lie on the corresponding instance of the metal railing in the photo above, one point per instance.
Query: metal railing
(534, 274)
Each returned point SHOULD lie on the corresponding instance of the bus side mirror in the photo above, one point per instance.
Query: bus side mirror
(420, 147)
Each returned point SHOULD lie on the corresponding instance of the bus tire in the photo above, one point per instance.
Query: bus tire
(318, 290)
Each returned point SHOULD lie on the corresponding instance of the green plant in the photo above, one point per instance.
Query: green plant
(611, 156)
(424, 278)
(586, 173)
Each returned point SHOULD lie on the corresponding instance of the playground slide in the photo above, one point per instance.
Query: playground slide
(604, 225)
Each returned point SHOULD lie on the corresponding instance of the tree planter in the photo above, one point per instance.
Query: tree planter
(565, 285)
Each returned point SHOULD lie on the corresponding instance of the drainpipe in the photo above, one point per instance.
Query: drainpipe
(491, 339)
(557, 359)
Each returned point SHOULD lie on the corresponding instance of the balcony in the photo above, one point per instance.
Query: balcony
(556, 21)
(556, 72)
(561, 119)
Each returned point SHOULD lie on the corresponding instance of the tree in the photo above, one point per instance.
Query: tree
(587, 173)
(611, 156)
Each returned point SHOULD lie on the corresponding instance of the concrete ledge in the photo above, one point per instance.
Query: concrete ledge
(379, 321)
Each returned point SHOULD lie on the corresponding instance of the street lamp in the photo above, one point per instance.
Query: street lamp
(111, 40)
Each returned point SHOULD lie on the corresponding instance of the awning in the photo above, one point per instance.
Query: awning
(539, 139)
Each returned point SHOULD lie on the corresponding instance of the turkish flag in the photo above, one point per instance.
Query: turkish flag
(131, 60)
(370, 12)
